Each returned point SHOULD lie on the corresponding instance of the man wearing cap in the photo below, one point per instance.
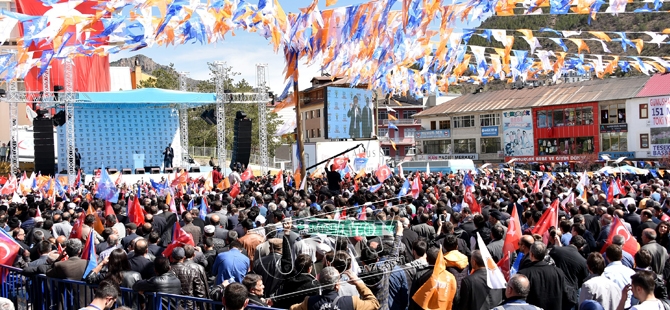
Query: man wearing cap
(217, 243)
(191, 283)
(495, 218)
(131, 228)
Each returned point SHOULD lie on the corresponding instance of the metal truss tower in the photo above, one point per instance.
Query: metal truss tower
(69, 101)
(262, 89)
(221, 80)
(13, 98)
(183, 122)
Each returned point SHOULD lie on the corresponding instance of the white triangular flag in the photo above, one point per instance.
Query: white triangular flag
(494, 277)
(16, 198)
(304, 181)
(427, 168)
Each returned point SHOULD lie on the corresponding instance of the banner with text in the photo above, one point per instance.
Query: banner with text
(659, 110)
(347, 228)
(518, 133)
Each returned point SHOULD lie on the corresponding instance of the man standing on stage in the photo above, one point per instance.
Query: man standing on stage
(168, 155)
(77, 159)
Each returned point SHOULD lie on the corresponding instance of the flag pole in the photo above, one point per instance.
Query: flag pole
(298, 120)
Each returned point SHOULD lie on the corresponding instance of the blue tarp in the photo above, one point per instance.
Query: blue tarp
(148, 96)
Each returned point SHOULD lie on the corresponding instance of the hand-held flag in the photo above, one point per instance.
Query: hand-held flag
(88, 253)
(278, 182)
(494, 277)
(630, 244)
(9, 249)
(438, 292)
(247, 175)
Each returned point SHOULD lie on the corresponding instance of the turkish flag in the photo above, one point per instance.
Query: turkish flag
(9, 249)
(383, 173)
(511, 242)
(75, 233)
(549, 218)
(235, 190)
(108, 208)
(179, 238)
(247, 175)
(90, 73)
(470, 199)
(135, 213)
(339, 163)
(630, 244)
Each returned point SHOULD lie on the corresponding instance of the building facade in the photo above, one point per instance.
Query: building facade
(561, 123)
(398, 111)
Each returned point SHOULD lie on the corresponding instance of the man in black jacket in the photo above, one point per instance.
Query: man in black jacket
(268, 267)
(191, 284)
(474, 293)
(165, 281)
(546, 281)
(573, 265)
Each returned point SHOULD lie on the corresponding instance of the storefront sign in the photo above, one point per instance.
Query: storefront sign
(547, 159)
(347, 228)
(623, 127)
(433, 134)
(490, 131)
(517, 127)
(615, 155)
(446, 156)
(659, 110)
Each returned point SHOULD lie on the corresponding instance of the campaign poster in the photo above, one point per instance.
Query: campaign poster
(659, 111)
(350, 113)
(518, 133)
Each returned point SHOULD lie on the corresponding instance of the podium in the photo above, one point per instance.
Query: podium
(138, 161)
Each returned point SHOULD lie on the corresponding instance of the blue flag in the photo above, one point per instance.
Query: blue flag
(604, 187)
(89, 254)
(515, 266)
(392, 126)
(375, 188)
(405, 189)
(203, 209)
(467, 181)
(190, 205)
(360, 163)
(158, 186)
(106, 188)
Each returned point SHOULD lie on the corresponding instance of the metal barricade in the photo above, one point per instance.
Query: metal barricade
(40, 292)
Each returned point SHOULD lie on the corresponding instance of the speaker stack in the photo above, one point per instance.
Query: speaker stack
(45, 157)
(241, 141)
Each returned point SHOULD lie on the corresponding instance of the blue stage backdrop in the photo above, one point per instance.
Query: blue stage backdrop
(109, 135)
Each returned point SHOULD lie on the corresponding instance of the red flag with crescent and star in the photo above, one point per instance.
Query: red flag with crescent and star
(8, 249)
(383, 173)
(630, 244)
(247, 175)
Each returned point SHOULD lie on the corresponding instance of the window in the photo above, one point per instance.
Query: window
(644, 111)
(318, 113)
(569, 117)
(433, 125)
(542, 119)
(584, 116)
(437, 147)
(409, 132)
(644, 140)
(584, 145)
(311, 114)
(386, 150)
(564, 146)
(408, 114)
(490, 145)
(382, 132)
(464, 121)
(445, 124)
(383, 114)
(613, 113)
(489, 120)
(558, 118)
(306, 115)
(465, 146)
(311, 132)
(318, 132)
(614, 141)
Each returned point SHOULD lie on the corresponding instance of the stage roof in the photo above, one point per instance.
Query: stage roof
(148, 96)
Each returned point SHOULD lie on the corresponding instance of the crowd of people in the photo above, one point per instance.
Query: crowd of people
(247, 249)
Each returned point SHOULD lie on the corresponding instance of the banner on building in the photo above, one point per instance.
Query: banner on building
(346, 228)
(518, 133)
(659, 111)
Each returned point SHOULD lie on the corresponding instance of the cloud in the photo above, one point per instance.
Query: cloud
(242, 52)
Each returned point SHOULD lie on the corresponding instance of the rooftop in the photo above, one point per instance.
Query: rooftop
(658, 85)
(587, 91)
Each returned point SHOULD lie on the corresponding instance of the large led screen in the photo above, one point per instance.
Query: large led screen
(349, 113)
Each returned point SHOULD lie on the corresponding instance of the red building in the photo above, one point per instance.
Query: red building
(403, 110)
(565, 132)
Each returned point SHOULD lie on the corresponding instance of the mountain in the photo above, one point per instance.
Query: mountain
(148, 65)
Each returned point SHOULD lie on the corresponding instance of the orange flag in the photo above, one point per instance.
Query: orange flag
(97, 225)
(438, 292)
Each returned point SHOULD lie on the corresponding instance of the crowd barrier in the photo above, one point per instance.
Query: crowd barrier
(40, 292)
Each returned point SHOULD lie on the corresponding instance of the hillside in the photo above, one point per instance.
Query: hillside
(147, 64)
(637, 22)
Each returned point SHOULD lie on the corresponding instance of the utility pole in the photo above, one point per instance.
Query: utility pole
(298, 120)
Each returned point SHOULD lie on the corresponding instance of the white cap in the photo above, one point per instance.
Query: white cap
(261, 219)
(209, 229)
